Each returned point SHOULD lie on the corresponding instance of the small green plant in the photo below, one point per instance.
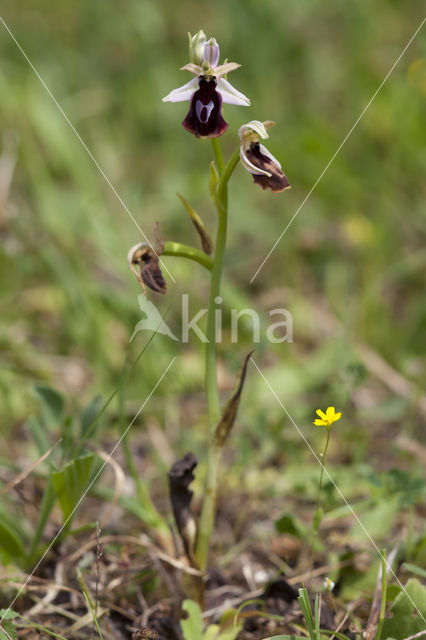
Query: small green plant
(312, 621)
(193, 628)
(325, 420)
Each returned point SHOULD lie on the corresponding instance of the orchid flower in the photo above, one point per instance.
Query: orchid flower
(264, 167)
(208, 90)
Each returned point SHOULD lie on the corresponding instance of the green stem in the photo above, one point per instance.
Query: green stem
(218, 155)
(222, 189)
(213, 402)
(318, 513)
(184, 251)
(322, 468)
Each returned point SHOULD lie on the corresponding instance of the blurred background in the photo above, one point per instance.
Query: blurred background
(350, 269)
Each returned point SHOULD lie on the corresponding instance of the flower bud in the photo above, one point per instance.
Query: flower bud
(211, 53)
(196, 47)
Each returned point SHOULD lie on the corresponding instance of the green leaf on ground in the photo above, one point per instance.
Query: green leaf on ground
(291, 525)
(71, 482)
(10, 543)
(8, 631)
(408, 612)
(192, 627)
(52, 402)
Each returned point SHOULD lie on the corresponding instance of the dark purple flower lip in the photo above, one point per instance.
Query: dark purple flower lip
(277, 181)
(204, 118)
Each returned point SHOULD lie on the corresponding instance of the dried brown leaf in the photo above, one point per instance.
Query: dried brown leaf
(229, 414)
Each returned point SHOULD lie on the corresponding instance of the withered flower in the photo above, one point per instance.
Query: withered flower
(148, 270)
(180, 477)
(255, 157)
(208, 90)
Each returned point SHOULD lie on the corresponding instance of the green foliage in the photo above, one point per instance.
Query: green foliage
(52, 402)
(291, 525)
(419, 571)
(70, 482)
(192, 626)
(8, 631)
(312, 620)
(90, 413)
(317, 519)
(408, 612)
(7, 628)
(13, 538)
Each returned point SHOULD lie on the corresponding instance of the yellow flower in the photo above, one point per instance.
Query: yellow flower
(326, 419)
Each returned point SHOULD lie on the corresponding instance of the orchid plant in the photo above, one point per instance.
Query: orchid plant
(207, 92)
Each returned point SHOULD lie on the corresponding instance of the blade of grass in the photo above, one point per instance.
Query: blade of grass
(305, 606)
(46, 507)
(92, 611)
(383, 600)
(34, 625)
(317, 618)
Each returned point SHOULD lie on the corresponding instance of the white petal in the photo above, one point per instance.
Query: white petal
(230, 95)
(211, 52)
(254, 125)
(251, 167)
(265, 152)
(183, 93)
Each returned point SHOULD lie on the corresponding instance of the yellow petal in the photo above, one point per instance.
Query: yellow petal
(321, 414)
(337, 416)
(319, 422)
(330, 413)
